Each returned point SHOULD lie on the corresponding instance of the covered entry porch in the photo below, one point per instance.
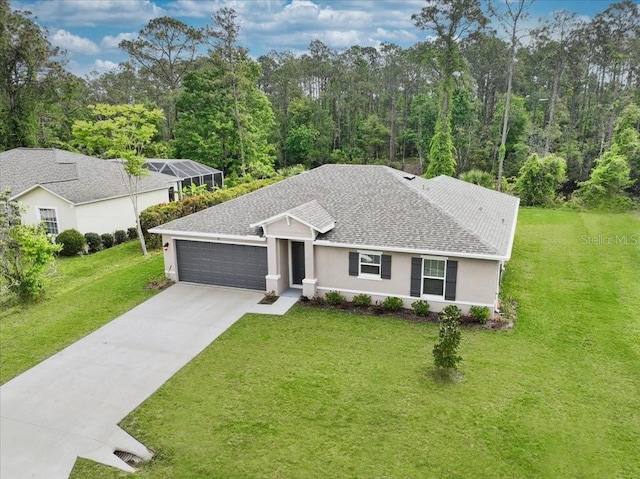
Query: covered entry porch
(290, 247)
(290, 265)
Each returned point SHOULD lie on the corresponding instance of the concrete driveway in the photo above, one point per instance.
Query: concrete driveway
(70, 404)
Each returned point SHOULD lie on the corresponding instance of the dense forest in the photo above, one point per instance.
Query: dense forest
(483, 94)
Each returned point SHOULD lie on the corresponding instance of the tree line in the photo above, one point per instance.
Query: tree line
(484, 93)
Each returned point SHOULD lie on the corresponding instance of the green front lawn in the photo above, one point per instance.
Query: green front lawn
(321, 394)
(85, 293)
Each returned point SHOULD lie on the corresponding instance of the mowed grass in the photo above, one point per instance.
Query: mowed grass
(333, 395)
(85, 293)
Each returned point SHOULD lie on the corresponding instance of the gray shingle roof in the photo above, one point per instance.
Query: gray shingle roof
(75, 177)
(311, 214)
(375, 206)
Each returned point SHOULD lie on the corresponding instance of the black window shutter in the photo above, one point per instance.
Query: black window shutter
(354, 259)
(450, 286)
(385, 273)
(416, 276)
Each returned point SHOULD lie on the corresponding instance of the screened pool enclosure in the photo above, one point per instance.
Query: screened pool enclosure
(188, 172)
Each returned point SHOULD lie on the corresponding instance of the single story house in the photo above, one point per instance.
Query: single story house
(187, 172)
(67, 190)
(356, 229)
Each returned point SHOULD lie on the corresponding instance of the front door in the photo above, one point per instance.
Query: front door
(297, 262)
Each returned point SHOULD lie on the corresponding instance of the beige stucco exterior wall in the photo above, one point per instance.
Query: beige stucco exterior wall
(40, 198)
(476, 279)
(476, 282)
(170, 258)
(479, 281)
(291, 229)
(114, 214)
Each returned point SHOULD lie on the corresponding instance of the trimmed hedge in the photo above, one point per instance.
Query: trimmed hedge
(120, 236)
(94, 242)
(362, 300)
(334, 298)
(107, 240)
(392, 303)
(163, 213)
(72, 242)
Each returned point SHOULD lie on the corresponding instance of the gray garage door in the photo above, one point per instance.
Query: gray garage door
(238, 266)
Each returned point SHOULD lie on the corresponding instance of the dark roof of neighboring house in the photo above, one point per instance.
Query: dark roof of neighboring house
(375, 206)
(180, 168)
(75, 177)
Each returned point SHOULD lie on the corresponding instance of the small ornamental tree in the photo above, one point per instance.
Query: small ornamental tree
(121, 131)
(445, 351)
(25, 253)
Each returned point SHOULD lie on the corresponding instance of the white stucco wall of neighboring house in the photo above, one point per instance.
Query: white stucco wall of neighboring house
(41, 198)
(104, 216)
(107, 216)
(477, 280)
(289, 228)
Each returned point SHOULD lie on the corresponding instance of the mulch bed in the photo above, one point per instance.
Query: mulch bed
(497, 322)
(268, 299)
(159, 284)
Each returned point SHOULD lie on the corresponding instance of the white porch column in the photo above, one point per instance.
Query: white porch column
(273, 278)
(309, 282)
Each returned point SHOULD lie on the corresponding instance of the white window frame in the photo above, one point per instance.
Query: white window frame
(443, 278)
(379, 265)
(40, 220)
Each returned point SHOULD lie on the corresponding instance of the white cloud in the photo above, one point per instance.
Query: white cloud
(342, 39)
(104, 65)
(196, 9)
(84, 13)
(110, 42)
(382, 34)
(292, 25)
(264, 24)
(74, 43)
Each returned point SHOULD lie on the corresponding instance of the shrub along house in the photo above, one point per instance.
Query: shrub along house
(354, 229)
(67, 190)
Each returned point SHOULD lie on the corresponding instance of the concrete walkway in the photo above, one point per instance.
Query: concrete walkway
(69, 405)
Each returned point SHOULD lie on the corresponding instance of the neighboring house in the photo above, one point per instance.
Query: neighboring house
(187, 172)
(354, 229)
(69, 190)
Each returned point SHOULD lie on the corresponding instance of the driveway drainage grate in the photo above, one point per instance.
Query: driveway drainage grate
(128, 457)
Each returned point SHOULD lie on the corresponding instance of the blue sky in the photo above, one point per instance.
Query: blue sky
(90, 30)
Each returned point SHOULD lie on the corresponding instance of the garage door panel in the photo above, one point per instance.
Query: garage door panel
(239, 266)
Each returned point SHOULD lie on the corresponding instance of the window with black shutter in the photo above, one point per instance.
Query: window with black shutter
(370, 265)
(434, 277)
